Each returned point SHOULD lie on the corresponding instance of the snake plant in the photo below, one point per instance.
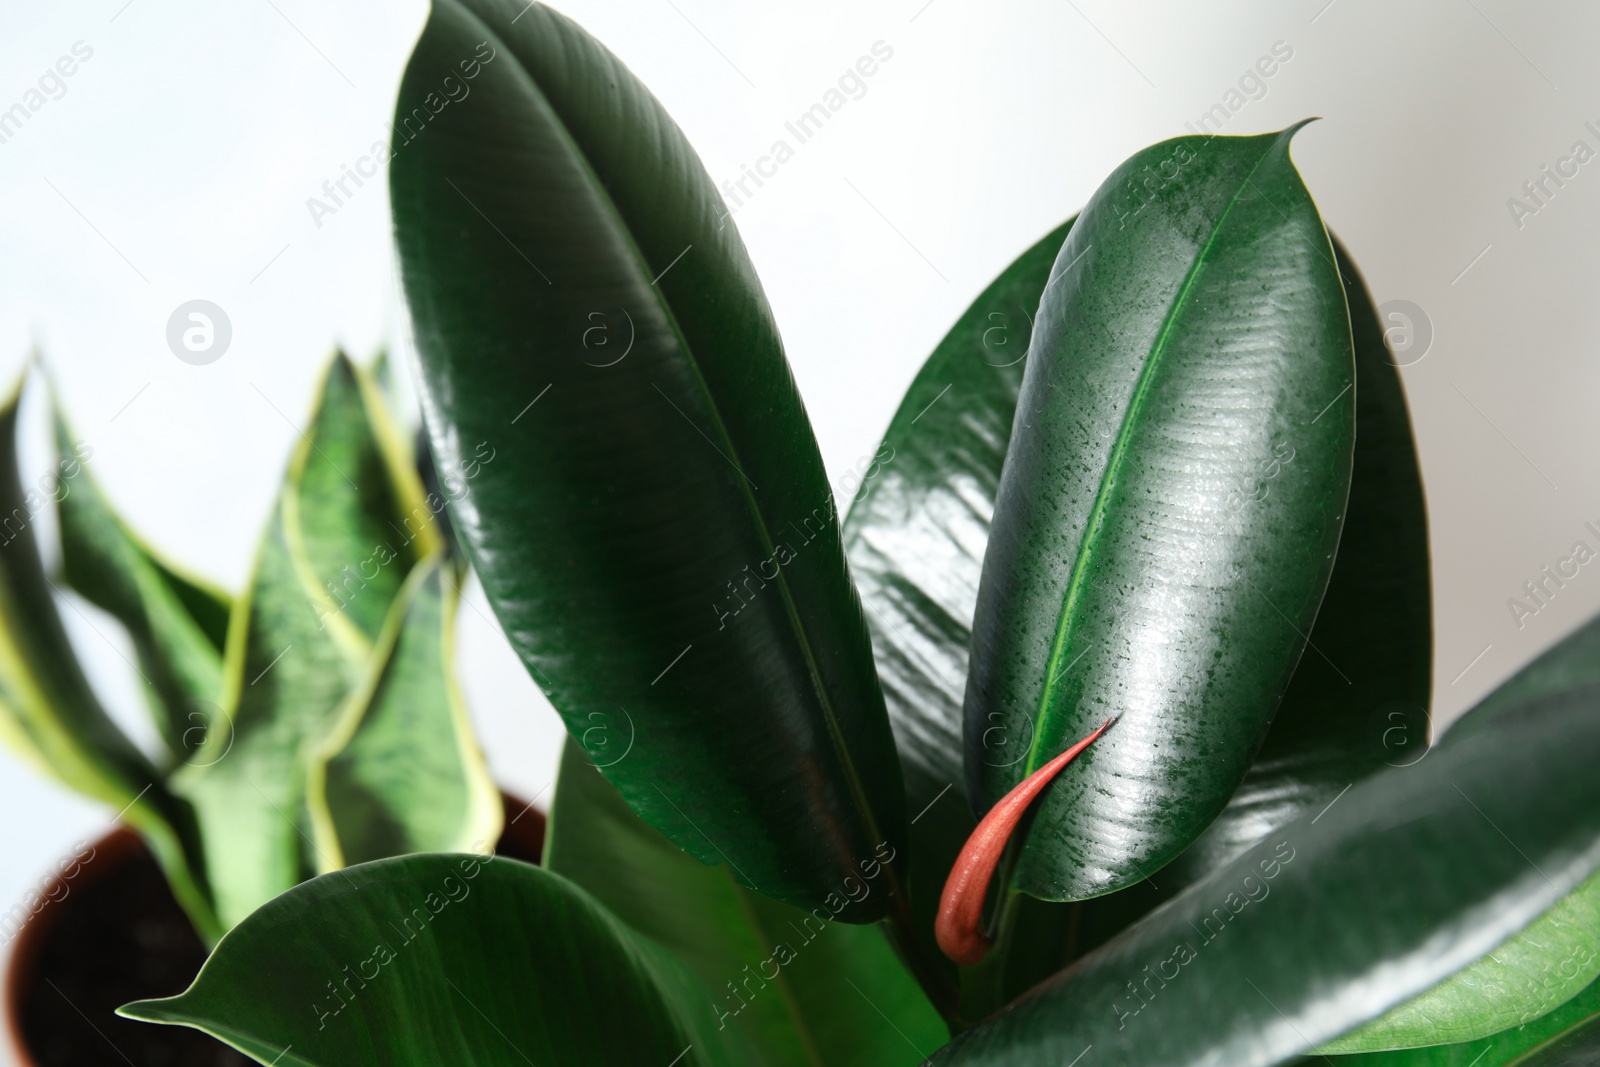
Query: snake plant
(312, 722)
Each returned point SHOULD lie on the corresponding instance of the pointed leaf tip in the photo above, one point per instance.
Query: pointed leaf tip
(958, 928)
(158, 1010)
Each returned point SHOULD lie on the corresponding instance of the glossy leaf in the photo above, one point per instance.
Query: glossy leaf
(1359, 697)
(178, 623)
(1360, 693)
(1556, 956)
(402, 771)
(803, 989)
(656, 532)
(1169, 508)
(48, 712)
(915, 537)
(435, 959)
(1567, 1037)
(347, 528)
(1532, 974)
(1414, 874)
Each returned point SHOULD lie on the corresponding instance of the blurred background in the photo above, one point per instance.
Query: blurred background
(176, 163)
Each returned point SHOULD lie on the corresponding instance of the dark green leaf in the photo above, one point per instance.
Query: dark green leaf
(402, 772)
(1169, 508)
(803, 989)
(49, 713)
(655, 529)
(916, 537)
(445, 959)
(1536, 969)
(1547, 962)
(177, 624)
(1337, 917)
(1359, 697)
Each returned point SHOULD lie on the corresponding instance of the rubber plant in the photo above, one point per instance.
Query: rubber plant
(313, 722)
(1154, 500)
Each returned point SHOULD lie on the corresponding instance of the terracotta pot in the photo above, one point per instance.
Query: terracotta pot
(110, 933)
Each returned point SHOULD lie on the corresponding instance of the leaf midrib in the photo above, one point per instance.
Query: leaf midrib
(719, 428)
(1086, 551)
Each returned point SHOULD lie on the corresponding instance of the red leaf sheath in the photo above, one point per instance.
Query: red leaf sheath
(958, 928)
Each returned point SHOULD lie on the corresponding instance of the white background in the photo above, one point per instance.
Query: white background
(178, 164)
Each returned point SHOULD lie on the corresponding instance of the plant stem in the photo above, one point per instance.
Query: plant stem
(986, 982)
(914, 950)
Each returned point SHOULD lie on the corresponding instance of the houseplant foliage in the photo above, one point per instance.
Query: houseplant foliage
(1161, 471)
(598, 542)
(312, 722)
